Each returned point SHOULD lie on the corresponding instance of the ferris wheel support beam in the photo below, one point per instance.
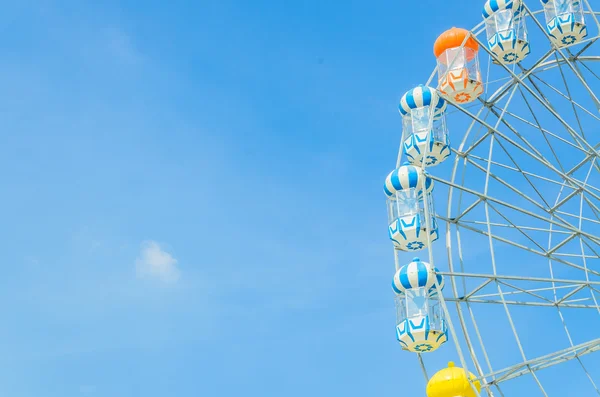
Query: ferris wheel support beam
(589, 70)
(513, 225)
(565, 58)
(422, 363)
(592, 290)
(432, 76)
(474, 145)
(585, 47)
(526, 197)
(568, 197)
(461, 316)
(569, 96)
(581, 163)
(561, 244)
(578, 185)
(593, 206)
(522, 303)
(491, 240)
(558, 92)
(523, 247)
(569, 129)
(569, 293)
(575, 69)
(566, 305)
(485, 197)
(493, 257)
(514, 162)
(454, 336)
(453, 281)
(571, 287)
(546, 361)
(539, 126)
(565, 295)
(531, 228)
(509, 186)
(503, 90)
(554, 63)
(480, 199)
(593, 13)
(560, 171)
(537, 156)
(579, 74)
(547, 132)
(467, 210)
(454, 288)
(508, 167)
(581, 240)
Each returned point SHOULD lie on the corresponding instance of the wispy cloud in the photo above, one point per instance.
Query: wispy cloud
(154, 262)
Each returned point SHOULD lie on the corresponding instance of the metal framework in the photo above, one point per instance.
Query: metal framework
(518, 132)
(539, 363)
(567, 293)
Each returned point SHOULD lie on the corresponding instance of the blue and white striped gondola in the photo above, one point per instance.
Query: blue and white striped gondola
(421, 326)
(422, 110)
(408, 227)
(506, 31)
(422, 96)
(407, 177)
(417, 274)
(564, 21)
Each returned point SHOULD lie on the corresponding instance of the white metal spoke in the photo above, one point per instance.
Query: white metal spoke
(524, 185)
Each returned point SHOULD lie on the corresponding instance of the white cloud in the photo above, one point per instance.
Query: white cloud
(154, 262)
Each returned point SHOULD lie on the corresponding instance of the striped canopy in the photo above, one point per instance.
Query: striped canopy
(407, 177)
(492, 6)
(417, 274)
(422, 96)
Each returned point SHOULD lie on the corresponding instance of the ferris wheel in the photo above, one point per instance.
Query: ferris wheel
(494, 205)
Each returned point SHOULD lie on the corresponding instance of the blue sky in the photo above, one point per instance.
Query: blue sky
(193, 195)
